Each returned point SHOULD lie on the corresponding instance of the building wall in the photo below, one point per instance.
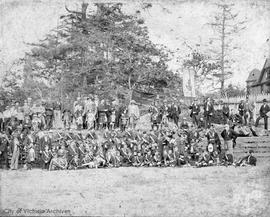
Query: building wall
(255, 90)
(266, 88)
(249, 83)
(264, 78)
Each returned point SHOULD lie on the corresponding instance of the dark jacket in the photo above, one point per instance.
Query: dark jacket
(228, 135)
(241, 108)
(226, 110)
(175, 110)
(210, 110)
(263, 110)
(195, 109)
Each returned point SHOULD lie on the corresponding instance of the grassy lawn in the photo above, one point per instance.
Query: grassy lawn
(211, 191)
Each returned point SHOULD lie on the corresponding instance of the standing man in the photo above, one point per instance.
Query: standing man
(208, 112)
(102, 115)
(2, 109)
(250, 108)
(263, 114)
(225, 112)
(242, 111)
(214, 144)
(91, 115)
(48, 115)
(153, 110)
(195, 110)
(176, 111)
(133, 113)
(86, 108)
(57, 117)
(4, 143)
(27, 109)
(78, 113)
(228, 136)
(15, 152)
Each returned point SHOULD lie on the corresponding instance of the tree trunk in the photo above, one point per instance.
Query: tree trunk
(222, 53)
(129, 87)
(84, 8)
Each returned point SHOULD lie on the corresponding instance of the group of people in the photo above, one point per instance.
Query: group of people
(113, 148)
(244, 116)
(86, 113)
(112, 139)
(246, 113)
(202, 114)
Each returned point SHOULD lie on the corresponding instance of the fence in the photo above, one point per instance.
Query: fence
(233, 102)
(254, 98)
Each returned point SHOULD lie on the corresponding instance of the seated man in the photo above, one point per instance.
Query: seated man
(172, 161)
(59, 162)
(247, 160)
(136, 160)
(226, 158)
(148, 159)
(204, 159)
(157, 159)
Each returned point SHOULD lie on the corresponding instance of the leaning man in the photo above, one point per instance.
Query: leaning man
(263, 114)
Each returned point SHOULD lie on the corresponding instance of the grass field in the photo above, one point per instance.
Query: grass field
(211, 191)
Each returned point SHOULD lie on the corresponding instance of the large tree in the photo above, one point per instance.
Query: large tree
(226, 24)
(98, 51)
(203, 66)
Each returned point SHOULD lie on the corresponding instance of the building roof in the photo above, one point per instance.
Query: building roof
(266, 66)
(267, 63)
(254, 75)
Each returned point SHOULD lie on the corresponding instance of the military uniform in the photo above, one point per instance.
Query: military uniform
(59, 161)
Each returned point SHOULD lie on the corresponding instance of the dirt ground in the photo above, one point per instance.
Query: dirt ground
(211, 191)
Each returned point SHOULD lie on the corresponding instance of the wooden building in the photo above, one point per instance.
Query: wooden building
(259, 82)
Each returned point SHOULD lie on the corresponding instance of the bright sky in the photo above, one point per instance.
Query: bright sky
(170, 23)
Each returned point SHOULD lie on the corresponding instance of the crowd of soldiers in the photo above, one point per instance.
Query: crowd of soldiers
(115, 148)
(111, 139)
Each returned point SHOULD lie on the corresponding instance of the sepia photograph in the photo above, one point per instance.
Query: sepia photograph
(135, 108)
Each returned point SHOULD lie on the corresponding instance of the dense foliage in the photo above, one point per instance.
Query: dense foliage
(97, 52)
